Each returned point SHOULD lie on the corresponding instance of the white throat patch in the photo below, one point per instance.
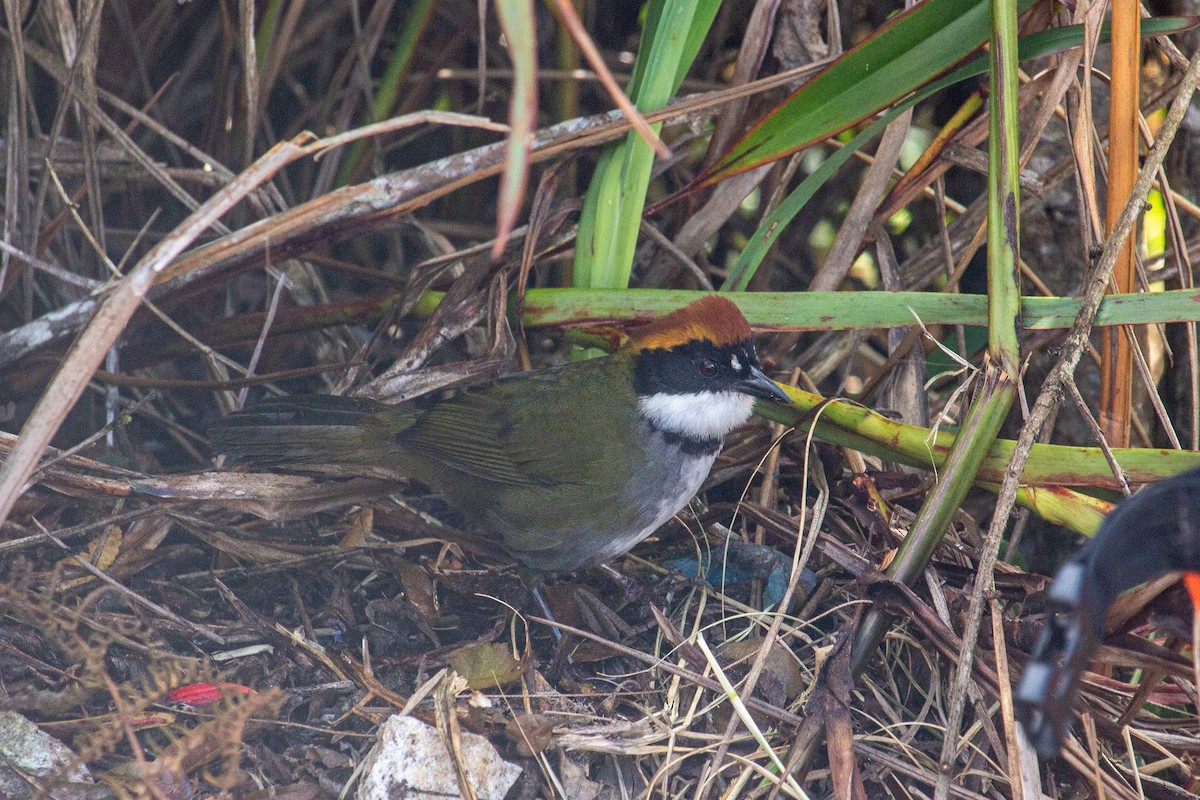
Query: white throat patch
(699, 415)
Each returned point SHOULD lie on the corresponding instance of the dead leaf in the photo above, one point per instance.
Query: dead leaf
(486, 666)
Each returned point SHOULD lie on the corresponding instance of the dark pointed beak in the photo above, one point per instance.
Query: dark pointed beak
(759, 385)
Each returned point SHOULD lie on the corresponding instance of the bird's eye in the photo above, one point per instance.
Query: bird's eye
(707, 368)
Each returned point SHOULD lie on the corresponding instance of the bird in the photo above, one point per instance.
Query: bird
(566, 467)
(1152, 533)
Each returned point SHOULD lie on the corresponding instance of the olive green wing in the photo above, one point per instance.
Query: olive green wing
(506, 432)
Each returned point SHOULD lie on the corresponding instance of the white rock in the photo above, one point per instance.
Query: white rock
(26, 749)
(410, 760)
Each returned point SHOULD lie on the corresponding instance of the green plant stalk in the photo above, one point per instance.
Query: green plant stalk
(984, 419)
(936, 512)
(1004, 192)
(565, 98)
(1052, 501)
(784, 311)
(419, 14)
(612, 212)
(991, 404)
(826, 311)
(266, 31)
(1050, 466)
(1003, 344)
(1004, 312)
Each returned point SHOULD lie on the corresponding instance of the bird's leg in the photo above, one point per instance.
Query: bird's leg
(546, 612)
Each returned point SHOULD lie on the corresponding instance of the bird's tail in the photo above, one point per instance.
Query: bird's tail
(299, 431)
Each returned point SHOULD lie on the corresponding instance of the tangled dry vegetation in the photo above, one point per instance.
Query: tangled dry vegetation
(120, 583)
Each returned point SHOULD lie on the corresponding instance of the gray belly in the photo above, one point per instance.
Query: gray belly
(659, 489)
